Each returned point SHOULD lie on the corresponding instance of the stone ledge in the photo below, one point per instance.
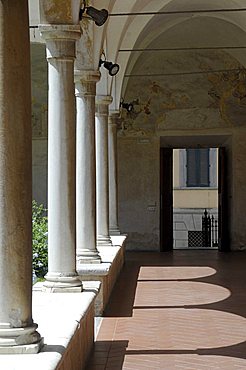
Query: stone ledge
(107, 272)
(93, 269)
(108, 256)
(62, 319)
(66, 321)
(118, 239)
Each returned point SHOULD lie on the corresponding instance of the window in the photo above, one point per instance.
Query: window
(197, 167)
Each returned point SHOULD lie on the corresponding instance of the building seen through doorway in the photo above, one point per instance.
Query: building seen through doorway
(195, 198)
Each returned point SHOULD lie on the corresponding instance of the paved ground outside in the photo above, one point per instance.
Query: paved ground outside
(179, 310)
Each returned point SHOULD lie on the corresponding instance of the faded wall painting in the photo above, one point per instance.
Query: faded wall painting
(199, 90)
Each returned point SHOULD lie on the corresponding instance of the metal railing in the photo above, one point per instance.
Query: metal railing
(209, 230)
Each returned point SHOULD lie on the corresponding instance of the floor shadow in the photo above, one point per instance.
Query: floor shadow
(126, 285)
(237, 350)
(108, 355)
(229, 273)
(53, 348)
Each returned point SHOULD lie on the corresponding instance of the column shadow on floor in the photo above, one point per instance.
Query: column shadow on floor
(122, 303)
(108, 355)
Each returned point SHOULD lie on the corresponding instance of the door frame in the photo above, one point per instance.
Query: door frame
(166, 199)
(166, 239)
(223, 214)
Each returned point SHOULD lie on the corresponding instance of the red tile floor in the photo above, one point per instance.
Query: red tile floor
(177, 310)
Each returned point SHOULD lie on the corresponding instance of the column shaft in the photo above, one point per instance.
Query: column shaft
(102, 180)
(113, 175)
(17, 330)
(60, 44)
(85, 87)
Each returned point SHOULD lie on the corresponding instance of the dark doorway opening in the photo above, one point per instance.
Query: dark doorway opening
(166, 199)
(221, 240)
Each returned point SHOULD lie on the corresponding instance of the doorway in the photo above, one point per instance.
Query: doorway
(201, 171)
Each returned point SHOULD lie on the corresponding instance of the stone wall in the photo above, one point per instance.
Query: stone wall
(139, 192)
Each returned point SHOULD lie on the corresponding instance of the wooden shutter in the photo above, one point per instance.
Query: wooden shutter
(197, 167)
(204, 167)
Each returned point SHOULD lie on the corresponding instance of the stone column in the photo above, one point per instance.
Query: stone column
(102, 180)
(60, 46)
(85, 87)
(113, 176)
(17, 331)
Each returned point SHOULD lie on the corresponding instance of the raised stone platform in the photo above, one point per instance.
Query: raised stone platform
(105, 272)
(66, 320)
(66, 323)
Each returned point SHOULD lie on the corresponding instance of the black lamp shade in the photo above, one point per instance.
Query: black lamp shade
(99, 16)
(113, 68)
(128, 106)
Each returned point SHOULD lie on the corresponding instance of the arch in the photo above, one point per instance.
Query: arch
(128, 36)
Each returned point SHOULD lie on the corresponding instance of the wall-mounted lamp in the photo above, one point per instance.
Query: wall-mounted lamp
(128, 106)
(98, 16)
(113, 68)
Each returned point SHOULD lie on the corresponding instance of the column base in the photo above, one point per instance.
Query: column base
(114, 230)
(104, 241)
(88, 256)
(57, 283)
(24, 340)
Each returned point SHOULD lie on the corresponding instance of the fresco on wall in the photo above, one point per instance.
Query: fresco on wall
(200, 90)
(229, 95)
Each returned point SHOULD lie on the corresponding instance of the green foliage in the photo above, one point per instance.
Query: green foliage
(39, 239)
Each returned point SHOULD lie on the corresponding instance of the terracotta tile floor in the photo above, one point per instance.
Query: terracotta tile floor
(179, 310)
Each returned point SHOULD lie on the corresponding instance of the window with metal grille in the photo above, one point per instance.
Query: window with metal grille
(197, 166)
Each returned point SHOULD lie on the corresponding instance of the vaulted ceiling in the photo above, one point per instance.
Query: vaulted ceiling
(138, 31)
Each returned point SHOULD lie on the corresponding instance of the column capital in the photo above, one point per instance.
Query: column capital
(60, 41)
(60, 32)
(86, 75)
(114, 116)
(102, 103)
(104, 99)
(85, 82)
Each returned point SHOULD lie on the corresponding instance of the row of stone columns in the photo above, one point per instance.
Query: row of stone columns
(78, 192)
(90, 168)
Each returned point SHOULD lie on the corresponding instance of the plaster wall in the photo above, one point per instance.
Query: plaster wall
(139, 192)
(39, 122)
(237, 197)
(180, 94)
(40, 170)
(196, 198)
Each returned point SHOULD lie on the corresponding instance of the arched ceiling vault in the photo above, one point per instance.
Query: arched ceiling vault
(137, 31)
(131, 32)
